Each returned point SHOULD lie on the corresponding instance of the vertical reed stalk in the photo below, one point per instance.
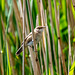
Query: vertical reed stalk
(41, 58)
(69, 56)
(72, 23)
(1, 54)
(49, 46)
(11, 59)
(71, 16)
(32, 55)
(50, 9)
(59, 47)
(1, 62)
(43, 38)
(57, 23)
(59, 54)
(12, 64)
(21, 15)
(21, 10)
(23, 64)
(18, 18)
(37, 24)
(40, 9)
(30, 49)
(33, 38)
(59, 40)
(69, 48)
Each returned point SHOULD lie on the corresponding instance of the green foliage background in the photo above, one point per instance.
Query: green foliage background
(10, 40)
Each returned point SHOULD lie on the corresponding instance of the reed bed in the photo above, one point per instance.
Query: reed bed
(54, 54)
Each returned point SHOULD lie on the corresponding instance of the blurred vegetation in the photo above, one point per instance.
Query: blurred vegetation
(11, 36)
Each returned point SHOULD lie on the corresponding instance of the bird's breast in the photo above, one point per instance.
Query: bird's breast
(38, 38)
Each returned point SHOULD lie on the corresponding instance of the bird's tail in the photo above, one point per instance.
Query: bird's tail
(19, 50)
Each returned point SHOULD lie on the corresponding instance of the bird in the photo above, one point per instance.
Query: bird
(28, 40)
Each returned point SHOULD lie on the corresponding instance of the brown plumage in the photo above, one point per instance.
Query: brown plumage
(28, 40)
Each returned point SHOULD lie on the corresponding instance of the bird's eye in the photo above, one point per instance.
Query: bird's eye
(39, 28)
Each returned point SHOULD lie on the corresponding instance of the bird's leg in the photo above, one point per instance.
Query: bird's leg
(35, 51)
(33, 48)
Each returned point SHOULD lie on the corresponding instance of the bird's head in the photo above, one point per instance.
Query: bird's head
(40, 28)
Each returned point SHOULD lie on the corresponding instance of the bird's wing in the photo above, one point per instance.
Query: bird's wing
(27, 37)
